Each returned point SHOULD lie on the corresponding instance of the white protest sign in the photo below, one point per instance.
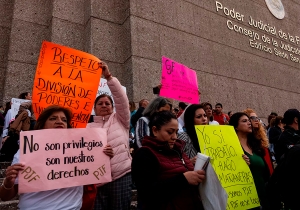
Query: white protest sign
(16, 102)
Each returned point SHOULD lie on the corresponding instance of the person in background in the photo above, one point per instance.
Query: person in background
(290, 135)
(193, 115)
(270, 117)
(275, 130)
(7, 117)
(156, 105)
(257, 154)
(209, 113)
(164, 175)
(219, 116)
(139, 113)
(116, 194)
(2, 119)
(181, 107)
(230, 113)
(25, 95)
(53, 117)
(132, 112)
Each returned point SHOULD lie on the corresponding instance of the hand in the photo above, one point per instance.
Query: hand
(193, 160)
(105, 70)
(108, 151)
(195, 177)
(246, 158)
(145, 103)
(12, 173)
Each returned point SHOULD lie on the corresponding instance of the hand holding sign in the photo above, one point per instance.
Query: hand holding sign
(178, 82)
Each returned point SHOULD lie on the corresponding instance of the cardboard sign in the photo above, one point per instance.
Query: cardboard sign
(222, 145)
(178, 82)
(16, 102)
(60, 158)
(104, 89)
(66, 77)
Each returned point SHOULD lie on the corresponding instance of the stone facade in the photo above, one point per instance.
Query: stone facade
(133, 35)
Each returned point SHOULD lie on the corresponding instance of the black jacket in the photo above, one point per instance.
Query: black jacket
(137, 116)
(289, 137)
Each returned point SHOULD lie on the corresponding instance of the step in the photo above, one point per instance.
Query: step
(2, 173)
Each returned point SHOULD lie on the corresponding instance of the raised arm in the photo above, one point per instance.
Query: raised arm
(119, 96)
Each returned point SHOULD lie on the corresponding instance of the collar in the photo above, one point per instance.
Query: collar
(98, 119)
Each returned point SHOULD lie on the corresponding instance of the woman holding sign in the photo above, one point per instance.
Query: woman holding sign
(67, 198)
(116, 194)
(162, 172)
(257, 153)
(193, 115)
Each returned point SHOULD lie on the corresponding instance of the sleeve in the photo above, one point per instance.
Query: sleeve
(135, 117)
(121, 102)
(141, 130)
(145, 173)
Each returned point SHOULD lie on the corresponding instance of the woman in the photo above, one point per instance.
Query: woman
(259, 160)
(116, 194)
(142, 129)
(193, 115)
(209, 113)
(163, 174)
(53, 117)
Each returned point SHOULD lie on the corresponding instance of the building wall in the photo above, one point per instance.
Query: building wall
(133, 35)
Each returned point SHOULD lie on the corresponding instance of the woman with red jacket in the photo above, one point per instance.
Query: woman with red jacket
(259, 158)
(163, 174)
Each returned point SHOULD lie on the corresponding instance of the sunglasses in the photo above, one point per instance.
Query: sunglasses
(254, 118)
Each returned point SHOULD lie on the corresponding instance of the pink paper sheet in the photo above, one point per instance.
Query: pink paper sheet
(49, 157)
(178, 82)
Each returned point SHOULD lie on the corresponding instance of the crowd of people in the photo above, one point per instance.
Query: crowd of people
(154, 149)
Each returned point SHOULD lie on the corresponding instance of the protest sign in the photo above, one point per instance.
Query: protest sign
(60, 158)
(222, 145)
(66, 77)
(178, 82)
(16, 102)
(104, 89)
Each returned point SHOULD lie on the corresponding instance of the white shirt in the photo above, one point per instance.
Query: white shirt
(64, 199)
(213, 122)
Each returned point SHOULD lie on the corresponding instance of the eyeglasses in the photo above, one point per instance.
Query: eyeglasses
(254, 118)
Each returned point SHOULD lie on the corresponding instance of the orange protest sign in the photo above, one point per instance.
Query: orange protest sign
(66, 77)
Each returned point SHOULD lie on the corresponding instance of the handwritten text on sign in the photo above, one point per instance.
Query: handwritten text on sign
(66, 77)
(16, 102)
(178, 82)
(60, 158)
(222, 145)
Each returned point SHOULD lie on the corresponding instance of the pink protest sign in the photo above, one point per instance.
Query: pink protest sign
(61, 158)
(178, 82)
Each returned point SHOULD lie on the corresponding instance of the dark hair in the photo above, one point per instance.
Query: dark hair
(182, 105)
(204, 104)
(277, 120)
(23, 95)
(229, 113)
(155, 105)
(254, 143)
(219, 104)
(47, 112)
(102, 96)
(132, 106)
(189, 125)
(159, 119)
(141, 102)
(7, 107)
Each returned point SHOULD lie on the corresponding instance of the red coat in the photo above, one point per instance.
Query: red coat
(158, 173)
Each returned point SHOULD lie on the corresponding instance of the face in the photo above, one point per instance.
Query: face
(165, 108)
(103, 107)
(244, 125)
(56, 120)
(208, 111)
(218, 109)
(28, 97)
(254, 120)
(200, 117)
(167, 133)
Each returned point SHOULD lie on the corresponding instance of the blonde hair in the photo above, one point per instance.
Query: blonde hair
(260, 132)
